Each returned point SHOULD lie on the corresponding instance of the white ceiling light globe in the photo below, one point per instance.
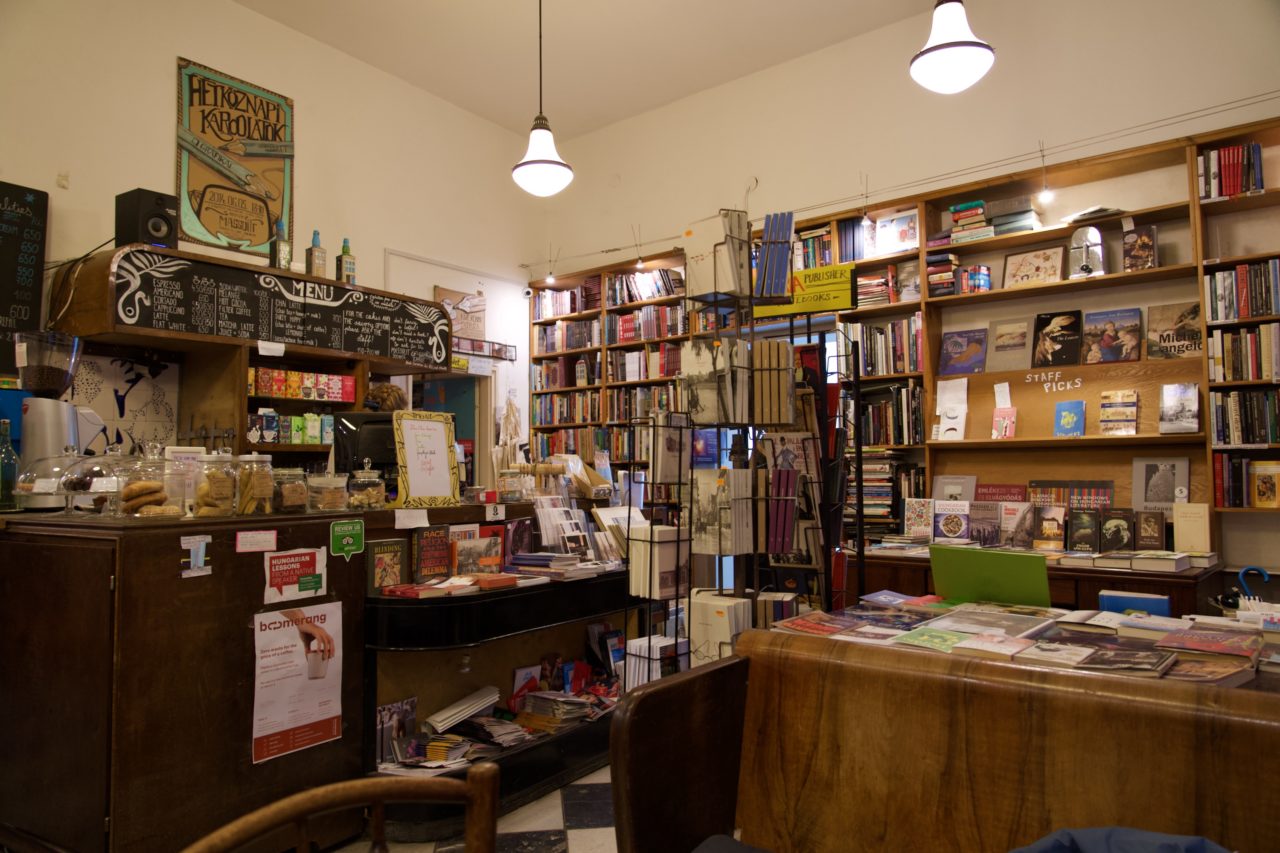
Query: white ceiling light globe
(953, 58)
(542, 172)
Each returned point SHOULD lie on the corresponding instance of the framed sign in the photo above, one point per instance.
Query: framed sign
(235, 160)
(1037, 266)
(427, 459)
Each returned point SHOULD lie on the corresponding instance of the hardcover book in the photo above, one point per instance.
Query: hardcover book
(1159, 481)
(1209, 642)
(1083, 530)
(1008, 345)
(931, 638)
(430, 553)
(1223, 672)
(1114, 335)
(918, 517)
(1017, 524)
(1149, 531)
(469, 556)
(950, 521)
(1050, 528)
(1118, 412)
(984, 522)
(1179, 408)
(1140, 248)
(1264, 479)
(1048, 653)
(973, 621)
(1068, 418)
(1173, 331)
(1117, 530)
(1000, 492)
(1056, 341)
(388, 565)
(1004, 422)
(993, 646)
(963, 352)
(1149, 664)
(954, 487)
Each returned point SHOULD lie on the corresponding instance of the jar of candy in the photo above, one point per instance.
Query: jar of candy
(256, 484)
(290, 493)
(215, 485)
(326, 492)
(366, 489)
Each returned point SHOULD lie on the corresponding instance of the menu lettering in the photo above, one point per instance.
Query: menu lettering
(154, 290)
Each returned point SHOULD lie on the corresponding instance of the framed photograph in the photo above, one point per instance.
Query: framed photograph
(1160, 482)
(1034, 267)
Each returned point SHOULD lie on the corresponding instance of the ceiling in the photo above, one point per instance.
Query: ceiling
(605, 60)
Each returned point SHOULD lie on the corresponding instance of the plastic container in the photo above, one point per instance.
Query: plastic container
(511, 486)
(216, 486)
(366, 489)
(256, 485)
(326, 492)
(289, 495)
(39, 485)
(93, 483)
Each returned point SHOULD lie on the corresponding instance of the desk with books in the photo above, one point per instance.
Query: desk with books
(1074, 588)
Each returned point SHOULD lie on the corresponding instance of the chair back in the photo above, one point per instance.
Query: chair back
(478, 794)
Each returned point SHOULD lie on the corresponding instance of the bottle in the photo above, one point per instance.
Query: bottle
(346, 271)
(315, 255)
(281, 248)
(8, 468)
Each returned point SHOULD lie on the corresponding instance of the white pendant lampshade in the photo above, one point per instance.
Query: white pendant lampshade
(541, 171)
(954, 58)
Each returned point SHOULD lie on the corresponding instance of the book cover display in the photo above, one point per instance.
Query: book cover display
(1159, 481)
(431, 557)
(1068, 418)
(1017, 524)
(1179, 408)
(1117, 530)
(1057, 339)
(1112, 336)
(1118, 412)
(1141, 251)
(1050, 528)
(950, 521)
(387, 563)
(1008, 346)
(1083, 530)
(963, 352)
(1173, 331)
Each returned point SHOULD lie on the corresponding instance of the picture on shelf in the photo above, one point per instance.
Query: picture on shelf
(1159, 481)
(1140, 248)
(1112, 335)
(897, 233)
(1008, 346)
(1173, 331)
(1057, 339)
(1179, 408)
(963, 352)
(1038, 266)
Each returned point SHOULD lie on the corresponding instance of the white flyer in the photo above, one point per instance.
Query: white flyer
(297, 683)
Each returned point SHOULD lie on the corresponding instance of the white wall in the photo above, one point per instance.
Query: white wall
(810, 128)
(90, 89)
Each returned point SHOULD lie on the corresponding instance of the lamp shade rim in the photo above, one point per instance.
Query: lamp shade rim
(562, 164)
(981, 45)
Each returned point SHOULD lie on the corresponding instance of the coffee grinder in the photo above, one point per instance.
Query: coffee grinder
(46, 364)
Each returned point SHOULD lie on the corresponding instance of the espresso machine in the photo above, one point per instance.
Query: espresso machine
(46, 364)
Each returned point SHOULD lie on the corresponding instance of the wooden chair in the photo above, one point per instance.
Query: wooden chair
(479, 795)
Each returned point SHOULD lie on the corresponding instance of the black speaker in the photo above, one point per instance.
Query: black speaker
(144, 216)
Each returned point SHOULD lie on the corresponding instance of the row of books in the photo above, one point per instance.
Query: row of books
(707, 320)
(1244, 417)
(655, 362)
(718, 377)
(566, 372)
(813, 248)
(581, 442)
(1248, 290)
(566, 335)
(647, 323)
(643, 402)
(886, 347)
(722, 518)
(571, 407)
(623, 288)
(440, 551)
(893, 415)
(1245, 355)
(557, 303)
(1239, 481)
(658, 560)
(1229, 170)
(1219, 652)
(772, 263)
(896, 283)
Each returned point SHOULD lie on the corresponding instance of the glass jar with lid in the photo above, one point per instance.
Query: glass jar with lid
(289, 496)
(93, 483)
(148, 488)
(215, 485)
(366, 489)
(39, 484)
(326, 492)
(256, 484)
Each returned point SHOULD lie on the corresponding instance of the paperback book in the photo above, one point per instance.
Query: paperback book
(963, 352)
(1050, 528)
(1004, 422)
(1140, 248)
(1017, 524)
(984, 522)
(1057, 339)
(1179, 408)
(1118, 412)
(927, 637)
(1068, 418)
(1049, 653)
(430, 553)
(1008, 346)
(1143, 663)
(1117, 530)
(1173, 331)
(1150, 531)
(1114, 335)
(388, 563)
(1083, 530)
(951, 521)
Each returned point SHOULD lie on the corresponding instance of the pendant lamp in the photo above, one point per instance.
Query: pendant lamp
(954, 58)
(541, 172)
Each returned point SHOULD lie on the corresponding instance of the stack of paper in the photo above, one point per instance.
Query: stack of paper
(493, 730)
(649, 658)
(715, 622)
(659, 560)
(482, 700)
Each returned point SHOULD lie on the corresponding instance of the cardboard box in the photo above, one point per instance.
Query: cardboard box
(270, 428)
(585, 479)
(326, 429)
(308, 386)
(293, 384)
(286, 430)
(312, 425)
(298, 426)
(322, 386)
(266, 381)
(348, 389)
(278, 382)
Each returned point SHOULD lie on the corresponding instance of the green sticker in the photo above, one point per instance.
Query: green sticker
(346, 538)
(310, 583)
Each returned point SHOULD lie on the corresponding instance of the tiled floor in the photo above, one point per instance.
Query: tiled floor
(578, 818)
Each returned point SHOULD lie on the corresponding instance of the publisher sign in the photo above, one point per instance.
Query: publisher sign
(815, 291)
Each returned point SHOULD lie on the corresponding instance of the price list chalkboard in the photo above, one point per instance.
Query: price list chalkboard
(24, 213)
(176, 294)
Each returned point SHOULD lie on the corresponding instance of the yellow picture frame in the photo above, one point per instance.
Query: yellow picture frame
(426, 453)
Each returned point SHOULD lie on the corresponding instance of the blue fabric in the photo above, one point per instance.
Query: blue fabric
(1119, 839)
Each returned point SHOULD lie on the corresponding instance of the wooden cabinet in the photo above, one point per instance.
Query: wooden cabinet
(127, 693)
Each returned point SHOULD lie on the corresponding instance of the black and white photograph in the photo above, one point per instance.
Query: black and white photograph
(1160, 482)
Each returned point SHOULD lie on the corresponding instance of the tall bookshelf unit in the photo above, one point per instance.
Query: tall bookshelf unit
(1154, 184)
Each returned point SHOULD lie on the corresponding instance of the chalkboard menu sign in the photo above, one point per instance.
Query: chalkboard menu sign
(189, 297)
(24, 214)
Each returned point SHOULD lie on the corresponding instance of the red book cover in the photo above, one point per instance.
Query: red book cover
(1010, 492)
(1245, 644)
(1217, 481)
(431, 558)
(1243, 306)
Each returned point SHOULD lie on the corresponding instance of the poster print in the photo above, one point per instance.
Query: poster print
(235, 160)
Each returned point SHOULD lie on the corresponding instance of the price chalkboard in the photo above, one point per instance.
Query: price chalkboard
(24, 213)
(153, 290)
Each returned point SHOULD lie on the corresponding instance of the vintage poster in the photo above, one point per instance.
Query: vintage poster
(235, 160)
(297, 684)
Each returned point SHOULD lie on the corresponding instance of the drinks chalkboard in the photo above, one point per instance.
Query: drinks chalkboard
(24, 213)
(190, 297)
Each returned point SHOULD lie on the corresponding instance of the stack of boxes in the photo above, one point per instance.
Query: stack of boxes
(266, 426)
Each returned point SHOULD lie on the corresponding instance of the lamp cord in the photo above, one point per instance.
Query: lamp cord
(539, 57)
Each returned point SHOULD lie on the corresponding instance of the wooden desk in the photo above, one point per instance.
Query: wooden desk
(1078, 589)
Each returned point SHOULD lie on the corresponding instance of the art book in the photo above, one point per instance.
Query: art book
(1056, 341)
(1114, 335)
(1209, 643)
(1173, 331)
(387, 562)
(1008, 345)
(1179, 408)
(1118, 412)
(963, 352)
(1068, 418)
(1117, 530)
(1083, 531)
(918, 517)
(1264, 478)
(951, 521)
(1004, 422)
(1140, 248)
(1051, 528)
(431, 553)
(469, 556)
(1159, 481)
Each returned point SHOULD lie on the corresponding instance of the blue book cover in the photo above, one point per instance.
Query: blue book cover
(1118, 602)
(1112, 336)
(963, 352)
(1068, 418)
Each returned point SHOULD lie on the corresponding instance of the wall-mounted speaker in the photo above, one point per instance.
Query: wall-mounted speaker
(145, 216)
